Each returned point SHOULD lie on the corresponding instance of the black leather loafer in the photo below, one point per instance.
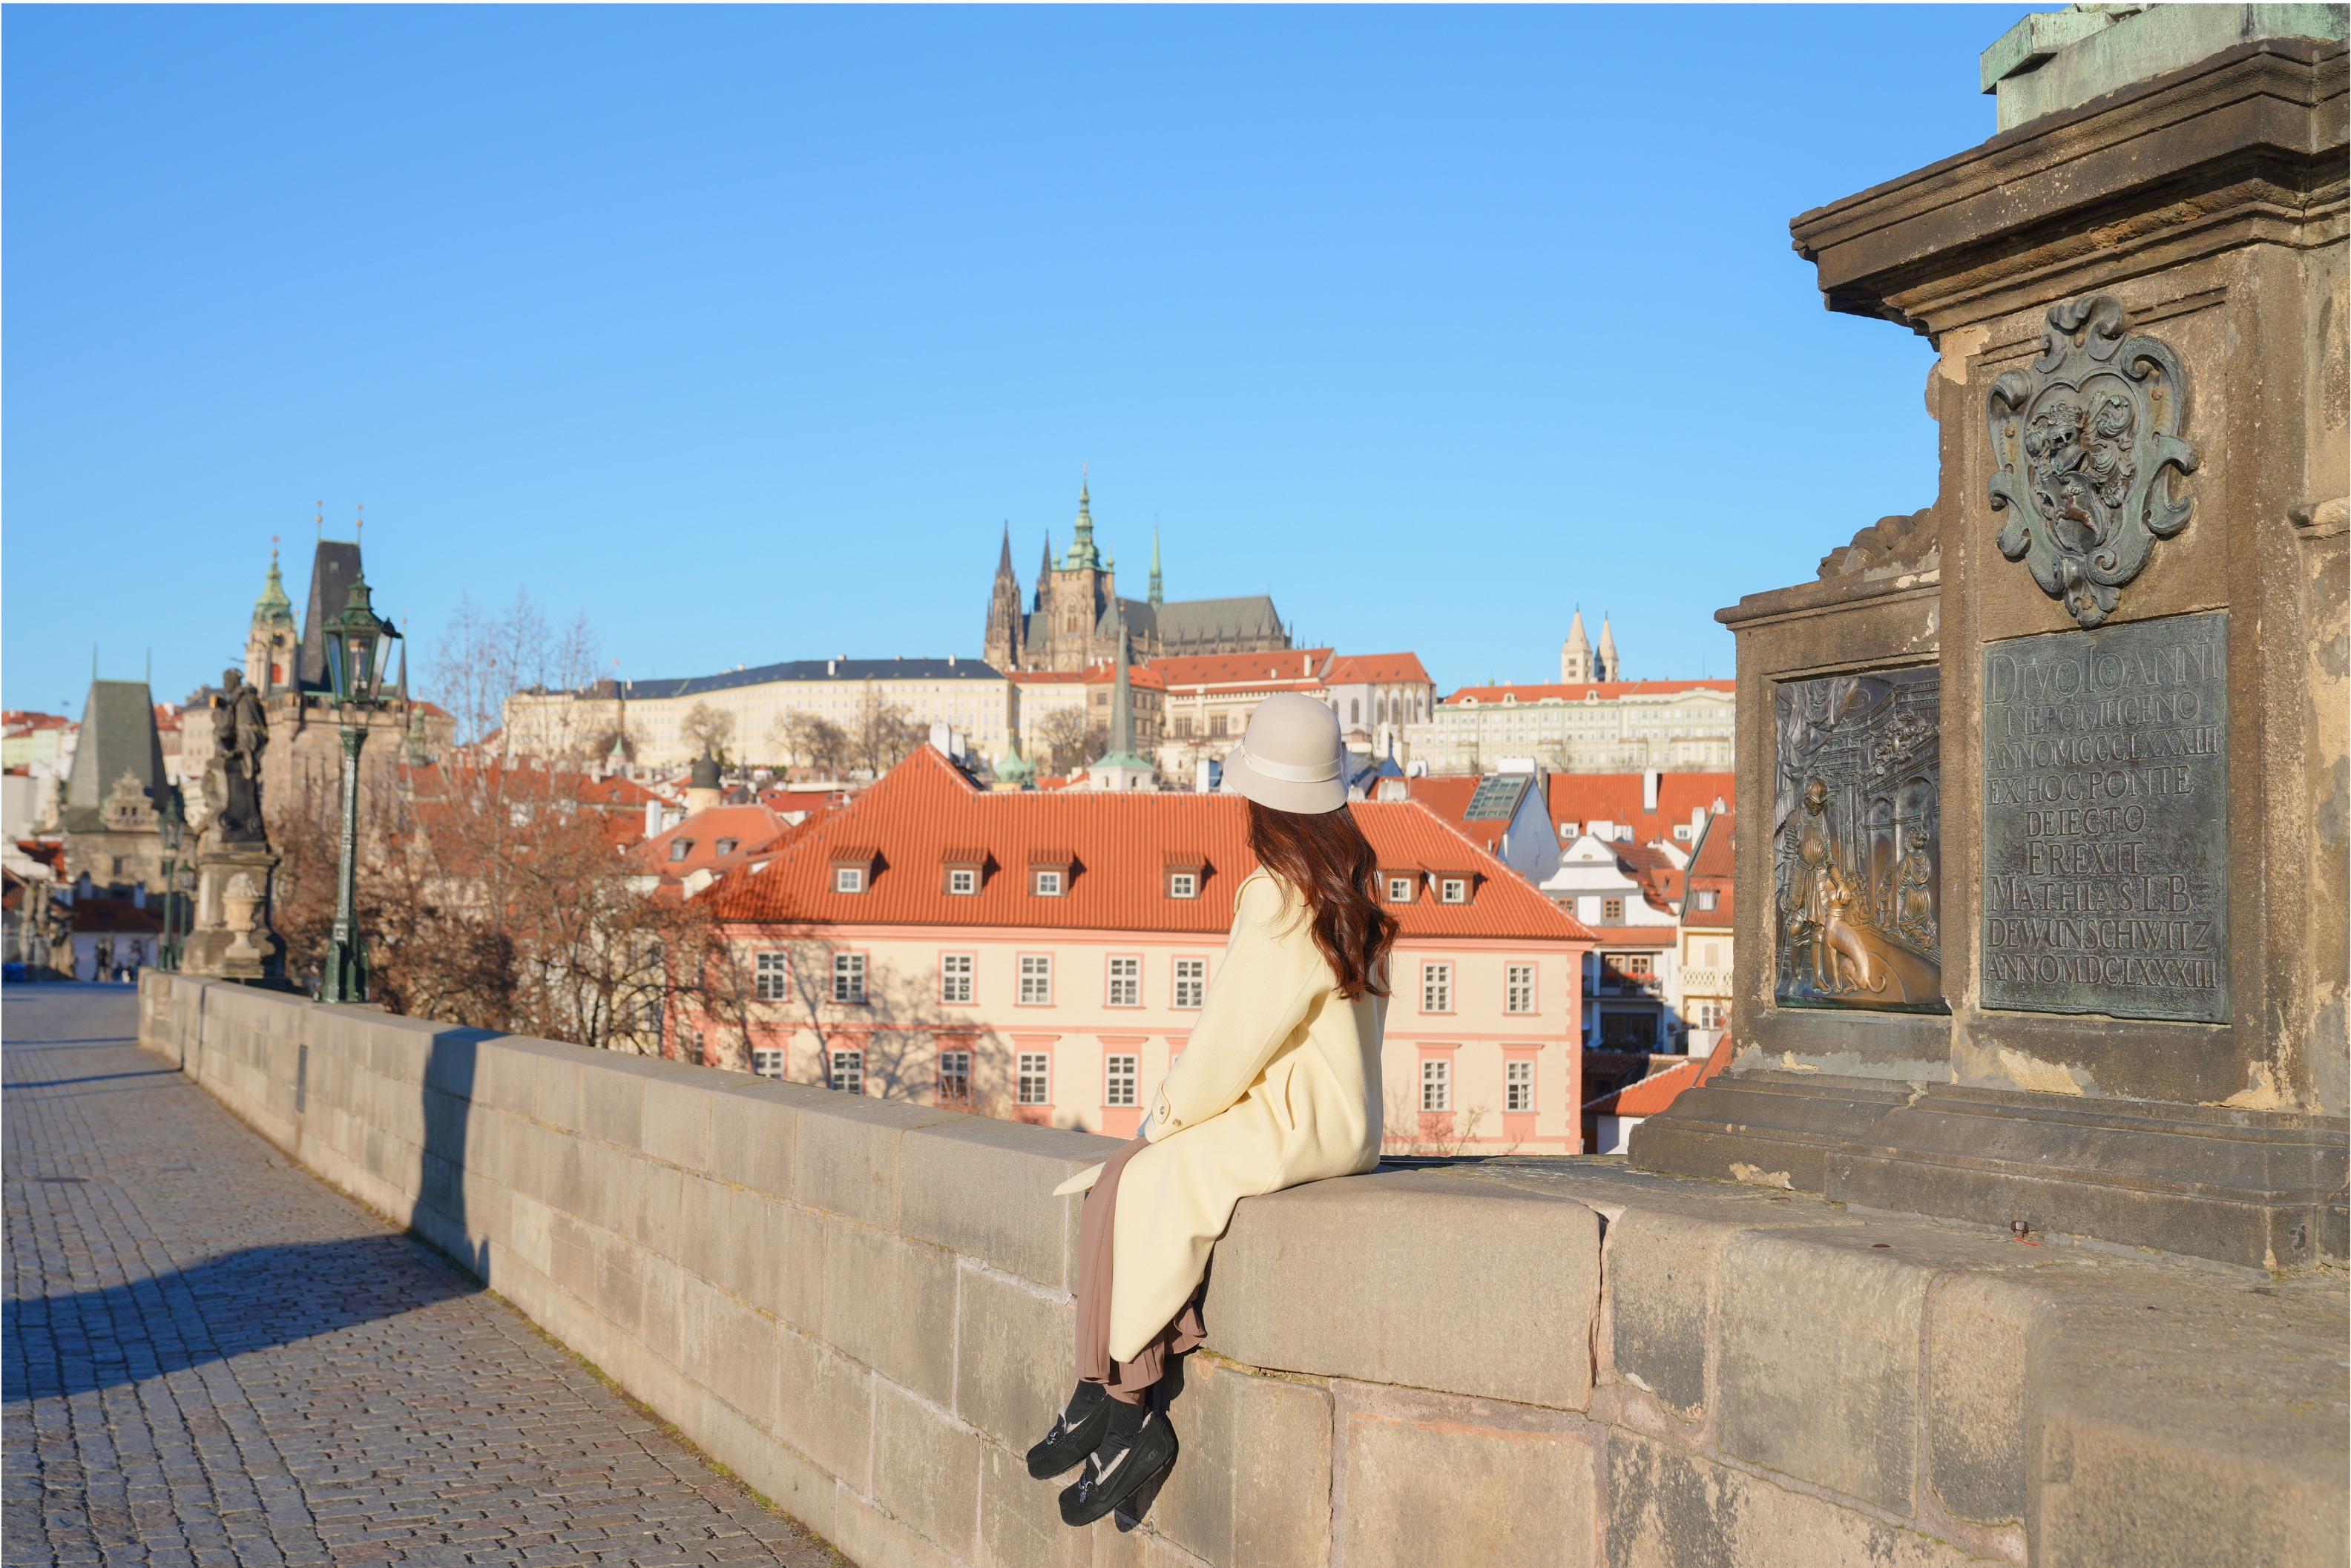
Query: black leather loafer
(1110, 1478)
(1069, 1441)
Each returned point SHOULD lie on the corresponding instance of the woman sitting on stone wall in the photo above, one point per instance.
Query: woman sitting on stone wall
(1279, 1085)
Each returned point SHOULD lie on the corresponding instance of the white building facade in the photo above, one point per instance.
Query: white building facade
(1595, 727)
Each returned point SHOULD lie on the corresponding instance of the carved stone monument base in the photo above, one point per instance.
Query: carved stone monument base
(233, 939)
(2257, 1189)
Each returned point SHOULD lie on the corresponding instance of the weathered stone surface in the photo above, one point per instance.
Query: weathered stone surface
(890, 1303)
(1414, 1279)
(1979, 1367)
(872, 1539)
(1430, 1480)
(824, 1405)
(1014, 1356)
(752, 1123)
(926, 1469)
(1668, 1508)
(676, 1122)
(984, 1188)
(845, 1156)
(775, 1255)
(1661, 1270)
(1839, 1409)
(1253, 1481)
(1019, 1518)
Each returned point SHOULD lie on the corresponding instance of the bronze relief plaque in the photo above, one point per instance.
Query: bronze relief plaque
(2106, 860)
(1857, 817)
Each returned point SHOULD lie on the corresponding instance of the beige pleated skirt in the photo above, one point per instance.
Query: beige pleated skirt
(1127, 1380)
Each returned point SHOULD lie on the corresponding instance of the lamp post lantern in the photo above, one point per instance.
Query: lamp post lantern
(358, 655)
(171, 822)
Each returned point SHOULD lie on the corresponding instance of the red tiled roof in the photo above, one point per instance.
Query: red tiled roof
(1448, 796)
(1661, 938)
(1712, 869)
(1293, 667)
(1100, 673)
(1586, 798)
(1577, 693)
(1119, 843)
(1652, 1094)
(753, 830)
(1376, 669)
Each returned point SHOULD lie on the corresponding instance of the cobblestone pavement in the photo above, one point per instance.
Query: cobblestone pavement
(212, 1358)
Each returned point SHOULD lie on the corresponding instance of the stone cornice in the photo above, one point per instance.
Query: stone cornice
(2257, 130)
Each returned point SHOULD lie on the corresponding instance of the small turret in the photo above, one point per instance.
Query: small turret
(1604, 663)
(1083, 556)
(269, 644)
(1576, 653)
(1155, 599)
(702, 791)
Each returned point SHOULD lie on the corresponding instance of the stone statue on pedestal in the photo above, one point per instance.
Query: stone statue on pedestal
(236, 867)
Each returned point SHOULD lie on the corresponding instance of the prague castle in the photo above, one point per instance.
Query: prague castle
(1072, 619)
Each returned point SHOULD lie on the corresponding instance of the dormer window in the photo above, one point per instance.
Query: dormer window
(1453, 889)
(1047, 883)
(962, 872)
(853, 868)
(1183, 884)
(1185, 870)
(1401, 885)
(963, 881)
(1049, 871)
(849, 879)
(679, 848)
(724, 847)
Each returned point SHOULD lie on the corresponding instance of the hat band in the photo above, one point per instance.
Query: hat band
(1319, 773)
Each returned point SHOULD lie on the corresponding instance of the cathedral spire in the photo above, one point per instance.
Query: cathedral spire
(1083, 556)
(1004, 561)
(273, 608)
(1605, 666)
(1576, 653)
(1154, 568)
(1044, 570)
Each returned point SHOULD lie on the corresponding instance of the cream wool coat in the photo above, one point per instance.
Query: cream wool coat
(1279, 1085)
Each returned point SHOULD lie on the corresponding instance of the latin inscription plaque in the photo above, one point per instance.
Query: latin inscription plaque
(2105, 848)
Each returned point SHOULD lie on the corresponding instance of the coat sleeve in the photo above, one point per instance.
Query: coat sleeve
(1271, 974)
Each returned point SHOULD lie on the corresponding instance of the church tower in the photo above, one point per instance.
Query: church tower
(1080, 586)
(1604, 663)
(1001, 646)
(269, 645)
(1576, 653)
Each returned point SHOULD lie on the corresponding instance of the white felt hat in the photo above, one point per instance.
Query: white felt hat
(1291, 758)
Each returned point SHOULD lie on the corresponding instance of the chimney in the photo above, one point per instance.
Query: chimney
(654, 818)
(1650, 779)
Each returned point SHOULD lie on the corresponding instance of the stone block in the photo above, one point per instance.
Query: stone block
(612, 1097)
(872, 1539)
(707, 1241)
(776, 1261)
(845, 1156)
(1432, 1282)
(1979, 1368)
(675, 1125)
(824, 1405)
(620, 1287)
(1668, 1508)
(1817, 1373)
(508, 1075)
(1019, 1517)
(752, 1124)
(926, 1469)
(1252, 1483)
(659, 1191)
(1661, 1270)
(784, 1474)
(890, 1303)
(1015, 1355)
(1429, 1480)
(984, 1188)
(556, 1099)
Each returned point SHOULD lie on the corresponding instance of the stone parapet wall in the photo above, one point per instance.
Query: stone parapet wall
(863, 1308)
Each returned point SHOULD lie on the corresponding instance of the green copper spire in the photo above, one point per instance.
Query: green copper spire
(1154, 568)
(272, 609)
(1082, 556)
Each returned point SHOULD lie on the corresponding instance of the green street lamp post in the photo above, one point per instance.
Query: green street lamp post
(358, 655)
(171, 822)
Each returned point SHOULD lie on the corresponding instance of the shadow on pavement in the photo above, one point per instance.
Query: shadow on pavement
(251, 1299)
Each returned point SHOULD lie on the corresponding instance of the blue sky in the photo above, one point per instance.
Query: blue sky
(745, 330)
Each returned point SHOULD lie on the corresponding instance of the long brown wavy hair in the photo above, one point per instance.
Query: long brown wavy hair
(1326, 857)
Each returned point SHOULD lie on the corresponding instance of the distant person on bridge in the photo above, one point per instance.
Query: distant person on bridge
(1278, 1085)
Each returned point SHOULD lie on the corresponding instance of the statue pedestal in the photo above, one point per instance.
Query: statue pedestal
(233, 939)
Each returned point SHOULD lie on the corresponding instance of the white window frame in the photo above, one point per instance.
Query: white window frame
(963, 882)
(1435, 1083)
(1401, 888)
(767, 1062)
(953, 1065)
(1183, 884)
(1519, 989)
(1518, 1083)
(1191, 989)
(849, 879)
(1046, 882)
(1453, 889)
(1436, 987)
(1036, 979)
(959, 973)
(1124, 985)
(849, 979)
(845, 1063)
(1033, 1080)
(1121, 1069)
(771, 972)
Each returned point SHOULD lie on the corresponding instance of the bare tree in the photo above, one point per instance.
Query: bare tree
(1064, 740)
(1415, 1134)
(813, 741)
(880, 733)
(708, 729)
